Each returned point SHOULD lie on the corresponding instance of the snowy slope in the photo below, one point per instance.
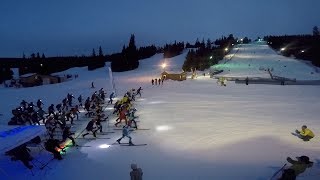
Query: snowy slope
(253, 59)
(198, 130)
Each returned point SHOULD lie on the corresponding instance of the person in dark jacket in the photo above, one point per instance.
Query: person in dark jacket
(39, 103)
(110, 98)
(90, 128)
(80, 100)
(159, 81)
(136, 173)
(139, 91)
(297, 167)
(152, 81)
(68, 134)
(51, 109)
(52, 145)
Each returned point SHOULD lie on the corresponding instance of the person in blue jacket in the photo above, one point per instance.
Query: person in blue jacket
(125, 133)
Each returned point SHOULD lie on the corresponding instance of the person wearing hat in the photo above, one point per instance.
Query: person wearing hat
(296, 168)
(305, 133)
(136, 173)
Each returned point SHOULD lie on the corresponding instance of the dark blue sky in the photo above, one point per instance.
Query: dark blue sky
(70, 27)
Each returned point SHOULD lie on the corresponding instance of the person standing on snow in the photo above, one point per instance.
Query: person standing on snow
(136, 173)
(152, 82)
(125, 133)
(159, 80)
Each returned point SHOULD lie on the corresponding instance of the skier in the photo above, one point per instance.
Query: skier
(51, 109)
(139, 91)
(110, 98)
(92, 86)
(80, 100)
(162, 81)
(136, 173)
(125, 133)
(39, 103)
(67, 134)
(296, 168)
(52, 145)
(122, 116)
(41, 113)
(152, 81)
(247, 81)
(90, 128)
(58, 107)
(132, 117)
(159, 80)
(155, 81)
(305, 134)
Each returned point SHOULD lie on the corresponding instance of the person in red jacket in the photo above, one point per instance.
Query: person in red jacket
(122, 116)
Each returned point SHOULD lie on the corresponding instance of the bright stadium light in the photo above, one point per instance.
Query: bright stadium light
(226, 49)
(302, 51)
(163, 65)
(210, 57)
(282, 49)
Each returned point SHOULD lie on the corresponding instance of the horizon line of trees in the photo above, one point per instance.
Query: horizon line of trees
(306, 47)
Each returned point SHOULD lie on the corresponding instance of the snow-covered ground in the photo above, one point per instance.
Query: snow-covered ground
(253, 60)
(198, 130)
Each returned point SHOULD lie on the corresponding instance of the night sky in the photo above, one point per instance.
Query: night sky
(74, 27)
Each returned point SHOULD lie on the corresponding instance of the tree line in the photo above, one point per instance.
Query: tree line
(306, 47)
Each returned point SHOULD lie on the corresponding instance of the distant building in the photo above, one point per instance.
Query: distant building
(176, 77)
(29, 80)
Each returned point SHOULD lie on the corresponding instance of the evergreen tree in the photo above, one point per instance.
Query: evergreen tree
(100, 51)
(316, 31)
(43, 56)
(208, 44)
(38, 55)
(93, 53)
(32, 56)
(23, 56)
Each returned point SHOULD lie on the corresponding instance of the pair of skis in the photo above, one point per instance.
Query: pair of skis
(127, 144)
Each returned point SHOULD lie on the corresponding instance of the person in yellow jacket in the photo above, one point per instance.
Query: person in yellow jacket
(305, 133)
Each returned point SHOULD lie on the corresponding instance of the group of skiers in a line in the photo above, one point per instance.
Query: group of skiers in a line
(301, 163)
(123, 108)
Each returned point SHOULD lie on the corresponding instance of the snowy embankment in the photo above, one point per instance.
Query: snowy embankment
(198, 130)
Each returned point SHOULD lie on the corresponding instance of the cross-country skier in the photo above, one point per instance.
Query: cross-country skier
(125, 133)
(159, 80)
(52, 145)
(139, 91)
(132, 117)
(296, 168)
(305, 133)
(90, 128)
(51, 109)
(80, 100)
(122, 116)
(39, 103)
(152, 81)
(68, 134)
(110, 98)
